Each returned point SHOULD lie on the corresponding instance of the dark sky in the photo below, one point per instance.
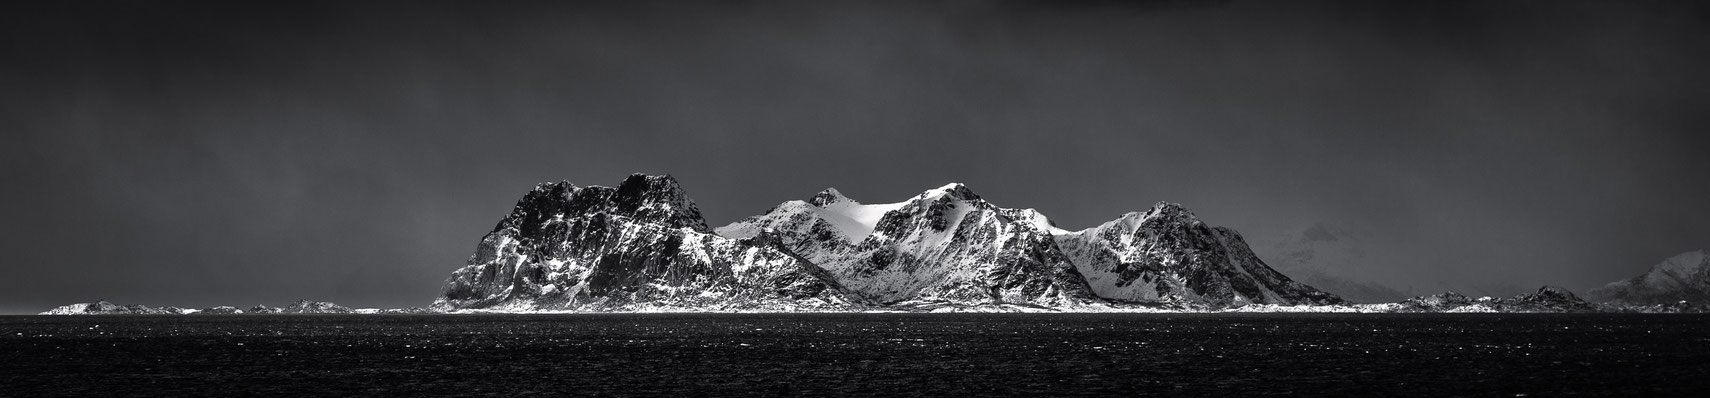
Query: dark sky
(199, 154)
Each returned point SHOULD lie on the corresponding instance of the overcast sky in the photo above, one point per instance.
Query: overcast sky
(237, 153)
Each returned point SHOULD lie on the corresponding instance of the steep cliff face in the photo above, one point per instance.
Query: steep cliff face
(1166, 254)
(1684, 277)
(640, 246)
(946, 245)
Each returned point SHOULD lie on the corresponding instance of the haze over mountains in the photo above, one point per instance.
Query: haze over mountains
(1684, 277)
(1367, 266)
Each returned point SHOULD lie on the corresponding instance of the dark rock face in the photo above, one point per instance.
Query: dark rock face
(640, 246)
(640, 198)
(826, 197)
(1684, 277)
(1168, 255)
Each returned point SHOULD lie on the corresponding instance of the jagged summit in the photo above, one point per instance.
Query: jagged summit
(954, 190)
(1162, 255)
(643, 197)
(1171, 210)
(1160, 212)
(641, 245)
(645, 244)
(827, 197)
(945, 245)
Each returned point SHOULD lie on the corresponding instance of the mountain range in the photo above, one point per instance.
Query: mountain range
(644, 246)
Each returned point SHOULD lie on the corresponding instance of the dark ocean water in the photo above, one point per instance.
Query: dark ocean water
(856, 354)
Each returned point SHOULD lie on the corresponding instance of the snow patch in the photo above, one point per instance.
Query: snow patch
(855, 220)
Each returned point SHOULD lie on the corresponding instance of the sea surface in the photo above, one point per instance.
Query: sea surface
(857, 355)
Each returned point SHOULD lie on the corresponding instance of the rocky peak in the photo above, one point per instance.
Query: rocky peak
(546, 201)
(643, 197)
(1170, 211)
(827, 197)
(954, 190)
(657, 198)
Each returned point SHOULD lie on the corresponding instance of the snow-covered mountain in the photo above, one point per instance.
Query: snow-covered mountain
(1684, 277)
(949, 244)
(640, 246)
(644, 246)
(946, 246)
(1166, 254)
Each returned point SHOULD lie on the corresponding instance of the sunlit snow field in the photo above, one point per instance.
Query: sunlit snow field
(856, 354)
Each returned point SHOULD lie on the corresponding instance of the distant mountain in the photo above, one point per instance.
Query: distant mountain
(643, 246)
(103, 307)
(1684, 277)
(1546, 299)
(1332, 258)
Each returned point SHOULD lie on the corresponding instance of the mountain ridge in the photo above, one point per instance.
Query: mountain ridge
(1682, 277)
(644, 245)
